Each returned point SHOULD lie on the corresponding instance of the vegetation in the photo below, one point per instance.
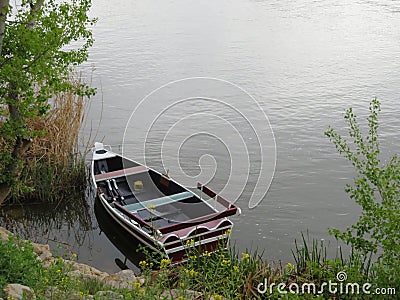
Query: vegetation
(19, 264)
(54, 167)
(223, 274)
(377, 190)
(40, 43)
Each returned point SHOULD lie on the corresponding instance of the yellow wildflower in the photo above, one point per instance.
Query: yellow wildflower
(190, 242)
(164, 263)
(181, 298)
(228, 231)
(226, 262)
(191, 272)
(136, 285)
(217, 297)
(290, 266)
(245, 256)
(143, 263)
(235, 268)
(151, 206)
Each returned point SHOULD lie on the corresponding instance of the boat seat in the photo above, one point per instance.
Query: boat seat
(158, 201)
(120, 173)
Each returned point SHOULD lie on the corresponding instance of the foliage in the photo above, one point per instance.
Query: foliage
(224, 273)
(377, 190)
(16, 258)
(43, 41)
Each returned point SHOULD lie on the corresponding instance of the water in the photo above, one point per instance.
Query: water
(303, 61)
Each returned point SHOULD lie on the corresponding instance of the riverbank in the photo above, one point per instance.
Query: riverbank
(30, 271)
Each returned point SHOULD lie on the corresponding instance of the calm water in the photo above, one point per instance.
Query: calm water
(303, 61)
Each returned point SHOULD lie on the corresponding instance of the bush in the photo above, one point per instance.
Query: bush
(377, 190)
(18, 263)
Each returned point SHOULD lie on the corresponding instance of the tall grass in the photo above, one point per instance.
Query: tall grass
(54, 166)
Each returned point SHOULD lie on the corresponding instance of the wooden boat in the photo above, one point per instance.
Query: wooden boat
(158, 211)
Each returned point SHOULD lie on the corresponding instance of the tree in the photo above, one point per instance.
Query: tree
(36, 58)
(377, 190)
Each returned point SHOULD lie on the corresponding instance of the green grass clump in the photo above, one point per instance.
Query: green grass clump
(18, 263)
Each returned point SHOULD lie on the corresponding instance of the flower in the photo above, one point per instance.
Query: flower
(217, 297)
(191, 272)
(143, 263)
(190, 242)
(228, 231)
(151, 206)
(226, 262)
(207, 253)
(245, 256)
(164, 263)
(136, 285)
(290, 266)
(235, 268)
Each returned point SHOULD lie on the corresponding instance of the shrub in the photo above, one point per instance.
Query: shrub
(377, 190)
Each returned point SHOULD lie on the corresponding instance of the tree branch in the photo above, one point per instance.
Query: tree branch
(3, 17)
(35, 8)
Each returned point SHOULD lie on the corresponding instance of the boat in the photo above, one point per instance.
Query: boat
(159, 212)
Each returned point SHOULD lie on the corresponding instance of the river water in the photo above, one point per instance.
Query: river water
(303, 62)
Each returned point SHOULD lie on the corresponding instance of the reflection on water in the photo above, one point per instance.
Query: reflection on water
(124, 242)
(78, 226)
(68, 224)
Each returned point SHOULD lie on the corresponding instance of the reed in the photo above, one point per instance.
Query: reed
(54, 165)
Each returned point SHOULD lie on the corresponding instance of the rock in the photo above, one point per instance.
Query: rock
(122, 279)
(108, 295)
(141, 280)
(175, 294)
(4, 233)
(18, 291)
(42, 251)
(85, 271)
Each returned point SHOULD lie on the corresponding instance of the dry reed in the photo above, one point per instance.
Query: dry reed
(61, 129)
(54, 167)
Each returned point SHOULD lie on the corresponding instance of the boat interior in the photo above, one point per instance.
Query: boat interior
(146, 194)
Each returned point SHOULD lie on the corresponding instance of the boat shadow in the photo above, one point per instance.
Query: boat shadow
(130, 247)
